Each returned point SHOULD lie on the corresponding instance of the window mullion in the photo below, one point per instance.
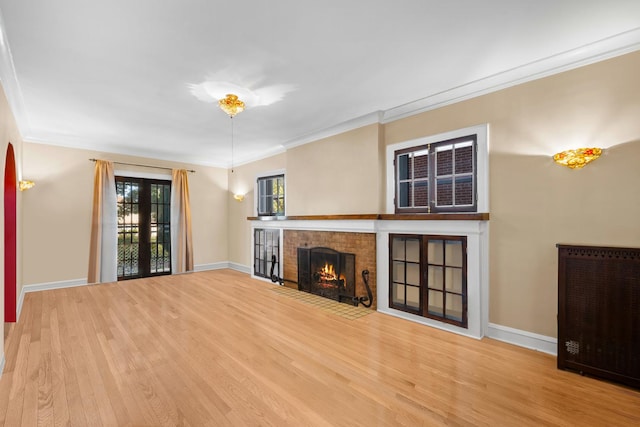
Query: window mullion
(444, 278)
(453, 175)
(413, 182)
(144, 228)
(432, 179)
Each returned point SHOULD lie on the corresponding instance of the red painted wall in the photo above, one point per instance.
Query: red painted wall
(10, 236)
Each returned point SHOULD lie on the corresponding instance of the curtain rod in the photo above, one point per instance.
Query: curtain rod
(143, 166)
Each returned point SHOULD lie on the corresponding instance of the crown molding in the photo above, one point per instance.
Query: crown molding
(187, 159)
(10, 83)
(610, 47)
(105, 148)
(343, 127)
(259, 156)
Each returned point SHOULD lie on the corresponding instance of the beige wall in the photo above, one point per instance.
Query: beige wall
(534, 203)
(9, 134)
(336, 175)
(242, 181)
(57, 211)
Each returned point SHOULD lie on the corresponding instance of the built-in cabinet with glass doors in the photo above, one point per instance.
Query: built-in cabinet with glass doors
(428, 276)
(266, 245)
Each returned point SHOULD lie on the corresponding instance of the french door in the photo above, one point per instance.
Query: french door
(144, 227)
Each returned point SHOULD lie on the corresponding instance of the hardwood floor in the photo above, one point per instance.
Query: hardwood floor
(218, 348)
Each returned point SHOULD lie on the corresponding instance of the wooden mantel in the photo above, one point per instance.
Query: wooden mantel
(384, 217)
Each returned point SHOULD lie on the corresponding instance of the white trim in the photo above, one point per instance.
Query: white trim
(349, 125)
(253, 157)
(610, 47)
(274, 172)
(10, 83)
(477, 233)
(482, 161)
(189, 158)
(506, 334)
(37, 287)
(477, 236)
(524, 339)
(211, 266)
(607, 48)
(240, 267)
(427, 322)
(47, 287)
(139, 174)
(2, 362)
(347, 225)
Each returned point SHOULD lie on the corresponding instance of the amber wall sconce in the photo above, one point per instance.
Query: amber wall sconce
(578, 158)
(238, 197)
(25, 185)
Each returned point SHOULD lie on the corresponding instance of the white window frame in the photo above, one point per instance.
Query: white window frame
(482, 165)
(256, 191)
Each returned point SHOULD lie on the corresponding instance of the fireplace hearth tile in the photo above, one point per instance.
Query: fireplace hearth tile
(328, 305)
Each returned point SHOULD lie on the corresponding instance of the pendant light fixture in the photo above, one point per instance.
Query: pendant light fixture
(232, 106)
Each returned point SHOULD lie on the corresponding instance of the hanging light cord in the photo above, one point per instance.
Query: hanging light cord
(231, 143)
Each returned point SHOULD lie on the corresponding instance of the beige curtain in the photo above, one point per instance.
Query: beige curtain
(103, 261)
(181, 241)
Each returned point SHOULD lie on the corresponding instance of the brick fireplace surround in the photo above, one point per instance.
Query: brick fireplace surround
(362, 245)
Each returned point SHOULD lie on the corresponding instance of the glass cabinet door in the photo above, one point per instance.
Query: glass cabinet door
(266, 244)
(428, 276)
(405, 272)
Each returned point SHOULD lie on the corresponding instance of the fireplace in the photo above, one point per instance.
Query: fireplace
(328, 273)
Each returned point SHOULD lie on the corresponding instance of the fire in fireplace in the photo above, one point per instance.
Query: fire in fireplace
(328, 273)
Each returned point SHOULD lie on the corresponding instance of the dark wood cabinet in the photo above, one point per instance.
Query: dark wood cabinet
(599, 311)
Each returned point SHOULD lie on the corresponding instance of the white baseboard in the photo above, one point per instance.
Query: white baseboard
(211, 266)
(506, 334)
(81, 282)
(240, 267)
(522, 338)
(427, 322)
(46, 287)
(220, 265)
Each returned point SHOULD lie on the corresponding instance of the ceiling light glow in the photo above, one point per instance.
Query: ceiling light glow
(213, 91)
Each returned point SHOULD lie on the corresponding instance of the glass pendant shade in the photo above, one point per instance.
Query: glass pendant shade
(577, 159)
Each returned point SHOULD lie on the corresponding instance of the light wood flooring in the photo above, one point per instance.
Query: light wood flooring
(217, 348)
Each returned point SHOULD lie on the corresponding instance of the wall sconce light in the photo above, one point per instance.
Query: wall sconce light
(25, 185)
(578, 158)
(238, 197)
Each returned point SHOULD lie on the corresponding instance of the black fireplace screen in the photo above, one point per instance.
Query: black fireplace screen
(328, 273)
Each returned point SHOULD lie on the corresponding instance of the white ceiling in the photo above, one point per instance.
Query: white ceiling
(120, 75)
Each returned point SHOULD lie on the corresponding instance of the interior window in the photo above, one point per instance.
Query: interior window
(271, 195)
(437, 177)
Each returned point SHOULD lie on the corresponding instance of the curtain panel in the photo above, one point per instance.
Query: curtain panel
(103, 249)
(181, 239)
